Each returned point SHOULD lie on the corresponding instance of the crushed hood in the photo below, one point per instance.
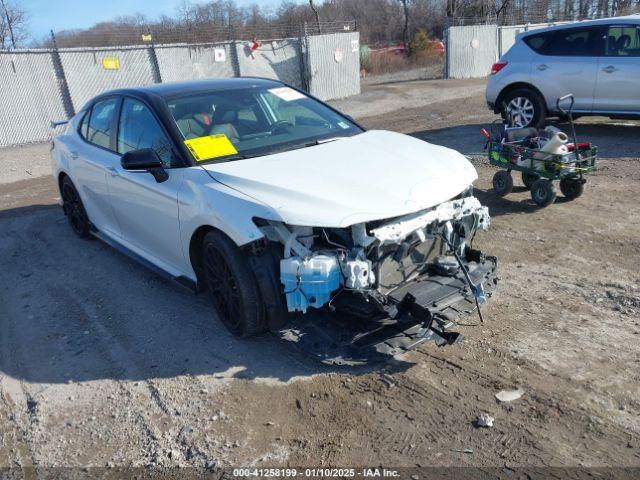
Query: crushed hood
(370, 176)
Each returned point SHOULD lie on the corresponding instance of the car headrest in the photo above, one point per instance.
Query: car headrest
(189, 109)
(224, 114)
(623, 42)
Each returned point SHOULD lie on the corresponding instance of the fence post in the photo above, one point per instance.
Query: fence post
(303, 41)
(233, 52)
(153, 60)
(447, 52)
(63, 87)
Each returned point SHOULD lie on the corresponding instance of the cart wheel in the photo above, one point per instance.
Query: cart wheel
(572, 188)
(542, 192)
(528, 179)
(502, 183)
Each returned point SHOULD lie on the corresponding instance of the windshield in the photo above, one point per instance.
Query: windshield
(253, 121)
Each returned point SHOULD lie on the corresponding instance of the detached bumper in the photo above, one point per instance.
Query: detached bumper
(340, 339)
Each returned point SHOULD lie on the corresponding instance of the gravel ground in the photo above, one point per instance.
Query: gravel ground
(104, 364)
(24, 162)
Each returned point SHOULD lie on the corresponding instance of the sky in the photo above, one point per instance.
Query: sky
(46, 15)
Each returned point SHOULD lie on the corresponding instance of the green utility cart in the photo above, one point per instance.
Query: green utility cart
(540, 169)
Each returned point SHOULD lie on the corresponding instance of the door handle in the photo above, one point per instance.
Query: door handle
(609, 69)
(543, 67)
(73, 154)
(112, 171)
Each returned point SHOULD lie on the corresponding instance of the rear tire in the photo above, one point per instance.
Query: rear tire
(74, 209)
(232, 286)
(528, 179)
(542, 192)
(502, 183)
(571, 188)
(528, 106)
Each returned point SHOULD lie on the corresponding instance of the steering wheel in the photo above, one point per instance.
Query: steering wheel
(280, 125)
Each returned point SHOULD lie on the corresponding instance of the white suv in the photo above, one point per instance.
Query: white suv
(598, 61)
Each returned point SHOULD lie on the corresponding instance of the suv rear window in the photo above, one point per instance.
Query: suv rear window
(575, 42)
(538, 42)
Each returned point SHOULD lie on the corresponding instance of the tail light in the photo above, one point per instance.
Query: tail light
(496, 67)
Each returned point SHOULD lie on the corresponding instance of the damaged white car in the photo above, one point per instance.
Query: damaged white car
(275, 203)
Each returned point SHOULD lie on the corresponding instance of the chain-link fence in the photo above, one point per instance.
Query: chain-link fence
(522, 12)
(109, 35)
(41, 85)
(521, 18)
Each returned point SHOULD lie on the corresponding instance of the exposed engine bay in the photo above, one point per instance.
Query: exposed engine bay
(383, 268)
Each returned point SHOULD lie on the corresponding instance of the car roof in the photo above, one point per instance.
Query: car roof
(633, 19)
(178, 89)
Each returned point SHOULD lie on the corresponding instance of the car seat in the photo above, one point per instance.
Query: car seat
(622, 44)
(224, 118)
(193, 119)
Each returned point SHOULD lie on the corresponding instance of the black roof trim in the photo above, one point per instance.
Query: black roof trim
(173, 89)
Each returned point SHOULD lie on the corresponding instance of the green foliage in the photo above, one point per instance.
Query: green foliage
(421, 46)
(365, 57)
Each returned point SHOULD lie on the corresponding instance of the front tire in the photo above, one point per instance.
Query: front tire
(74, 209)
(528, 107)
(232, 286)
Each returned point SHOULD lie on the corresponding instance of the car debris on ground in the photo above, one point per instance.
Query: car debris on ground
(484, 420)
(509, 395)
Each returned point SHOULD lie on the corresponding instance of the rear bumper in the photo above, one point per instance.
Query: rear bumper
(495, 85)
(341, 339)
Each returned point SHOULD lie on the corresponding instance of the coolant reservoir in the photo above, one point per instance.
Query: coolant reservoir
(309, 282)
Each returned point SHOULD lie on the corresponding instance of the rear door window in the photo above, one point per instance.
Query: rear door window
(622, 41)
(99, 130)
(575, 42)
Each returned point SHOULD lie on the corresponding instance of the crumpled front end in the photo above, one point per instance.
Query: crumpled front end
(409, 269)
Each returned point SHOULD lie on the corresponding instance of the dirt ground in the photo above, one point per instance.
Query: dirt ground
(102, 363)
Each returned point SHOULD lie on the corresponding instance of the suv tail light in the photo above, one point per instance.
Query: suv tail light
(496, 67)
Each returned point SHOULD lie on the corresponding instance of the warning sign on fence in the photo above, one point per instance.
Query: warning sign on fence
(111, 63)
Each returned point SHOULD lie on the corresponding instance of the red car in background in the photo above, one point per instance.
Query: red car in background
(401, 48)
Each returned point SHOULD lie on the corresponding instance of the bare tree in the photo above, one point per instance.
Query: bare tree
(405, 28)
(13, 25)
(315, 13)
(502, 9)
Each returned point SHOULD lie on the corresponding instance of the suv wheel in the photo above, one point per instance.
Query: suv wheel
(526, 106)
(232, 286)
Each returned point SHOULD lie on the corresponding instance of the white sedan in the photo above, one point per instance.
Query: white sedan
(274, 202)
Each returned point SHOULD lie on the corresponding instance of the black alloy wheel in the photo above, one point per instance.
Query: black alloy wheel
(232, 286)
(74, 209)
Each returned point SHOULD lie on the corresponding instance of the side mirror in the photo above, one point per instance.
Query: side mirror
(145, 159)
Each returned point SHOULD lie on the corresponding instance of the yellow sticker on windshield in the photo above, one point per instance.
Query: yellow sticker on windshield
(211, 146)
